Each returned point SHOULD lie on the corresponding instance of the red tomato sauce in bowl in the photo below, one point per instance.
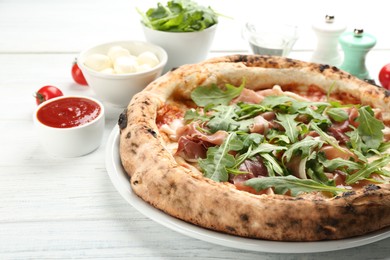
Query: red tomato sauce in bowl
(68, 112)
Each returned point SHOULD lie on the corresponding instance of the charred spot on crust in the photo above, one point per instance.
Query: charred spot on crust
(231, 229)
(387, 93)
(273, 64)
(334, 68)
(128, 135)
(122, 121)
(327, 230)
(135, 182)
(251, 60)
(296, 222)
(323, 67)
(212, 213)
(242, 58)
(348, 193)
(371, 187)
(371, 81)
(244, 217)
(173, 186)
(146, 102)
(271, 224)
(152, 132)
(332, 222)
(350, 209)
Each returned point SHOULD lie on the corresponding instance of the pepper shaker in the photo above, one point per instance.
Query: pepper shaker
(356, 45)
(328, 32)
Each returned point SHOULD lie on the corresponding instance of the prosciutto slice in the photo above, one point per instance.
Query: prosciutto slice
(191, 150)
(191, 131)
(193, 144)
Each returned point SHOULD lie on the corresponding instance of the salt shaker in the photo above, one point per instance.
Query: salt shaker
(327, 32)
(356, 45)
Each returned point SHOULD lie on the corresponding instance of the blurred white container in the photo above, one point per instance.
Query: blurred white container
(270, 38)
(182, 47)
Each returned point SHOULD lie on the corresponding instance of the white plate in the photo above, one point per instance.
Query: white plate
(121, 183)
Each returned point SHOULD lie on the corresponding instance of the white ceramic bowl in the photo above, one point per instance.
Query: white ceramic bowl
(182, 47)
(71, 141)
(118, 89)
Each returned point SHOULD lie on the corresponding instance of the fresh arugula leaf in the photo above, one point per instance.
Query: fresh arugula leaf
(272, 165)
(316, 116)
(330, 89)
(302, 148)
(249, 139)
(316, 170)
(224, 119)
(282, 104)
(179, 16)
(250, 110)
(266, 148)
(219, 159)
(277, 137)
(289, 105)
(317, 174)
(290, 126)
(244, 125)
(356, 142)
(290, 183)
(194, 115)
(205, 95)
(370, 128)
(309, 108)
(385, 173)
(339, 163)
(337, 114)
(368, 169)
(240, 159)
(327, 138)
(384, 147)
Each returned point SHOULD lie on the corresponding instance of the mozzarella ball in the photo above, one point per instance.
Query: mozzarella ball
(98, 62)
(108, 71)
(117, 51)
(125, 64)
(143, 67)
(149, 58)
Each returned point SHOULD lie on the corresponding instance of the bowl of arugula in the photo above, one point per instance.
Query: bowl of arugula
(183, 28)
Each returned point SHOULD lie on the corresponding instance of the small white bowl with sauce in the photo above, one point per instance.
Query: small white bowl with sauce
(70, 126)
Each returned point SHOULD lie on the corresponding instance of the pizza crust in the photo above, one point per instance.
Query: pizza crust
(158, 179)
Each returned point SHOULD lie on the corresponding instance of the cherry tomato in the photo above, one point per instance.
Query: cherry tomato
(77, 75)
(46, 93)
(384, 76)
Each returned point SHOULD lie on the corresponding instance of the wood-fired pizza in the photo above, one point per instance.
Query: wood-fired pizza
(262, 147)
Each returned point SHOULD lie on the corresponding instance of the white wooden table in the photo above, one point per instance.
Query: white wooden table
(53, 208)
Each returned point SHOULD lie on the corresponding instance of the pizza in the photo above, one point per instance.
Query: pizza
(262, 147)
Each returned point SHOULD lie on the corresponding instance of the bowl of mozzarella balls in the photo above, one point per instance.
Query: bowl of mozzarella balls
(118, 70)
